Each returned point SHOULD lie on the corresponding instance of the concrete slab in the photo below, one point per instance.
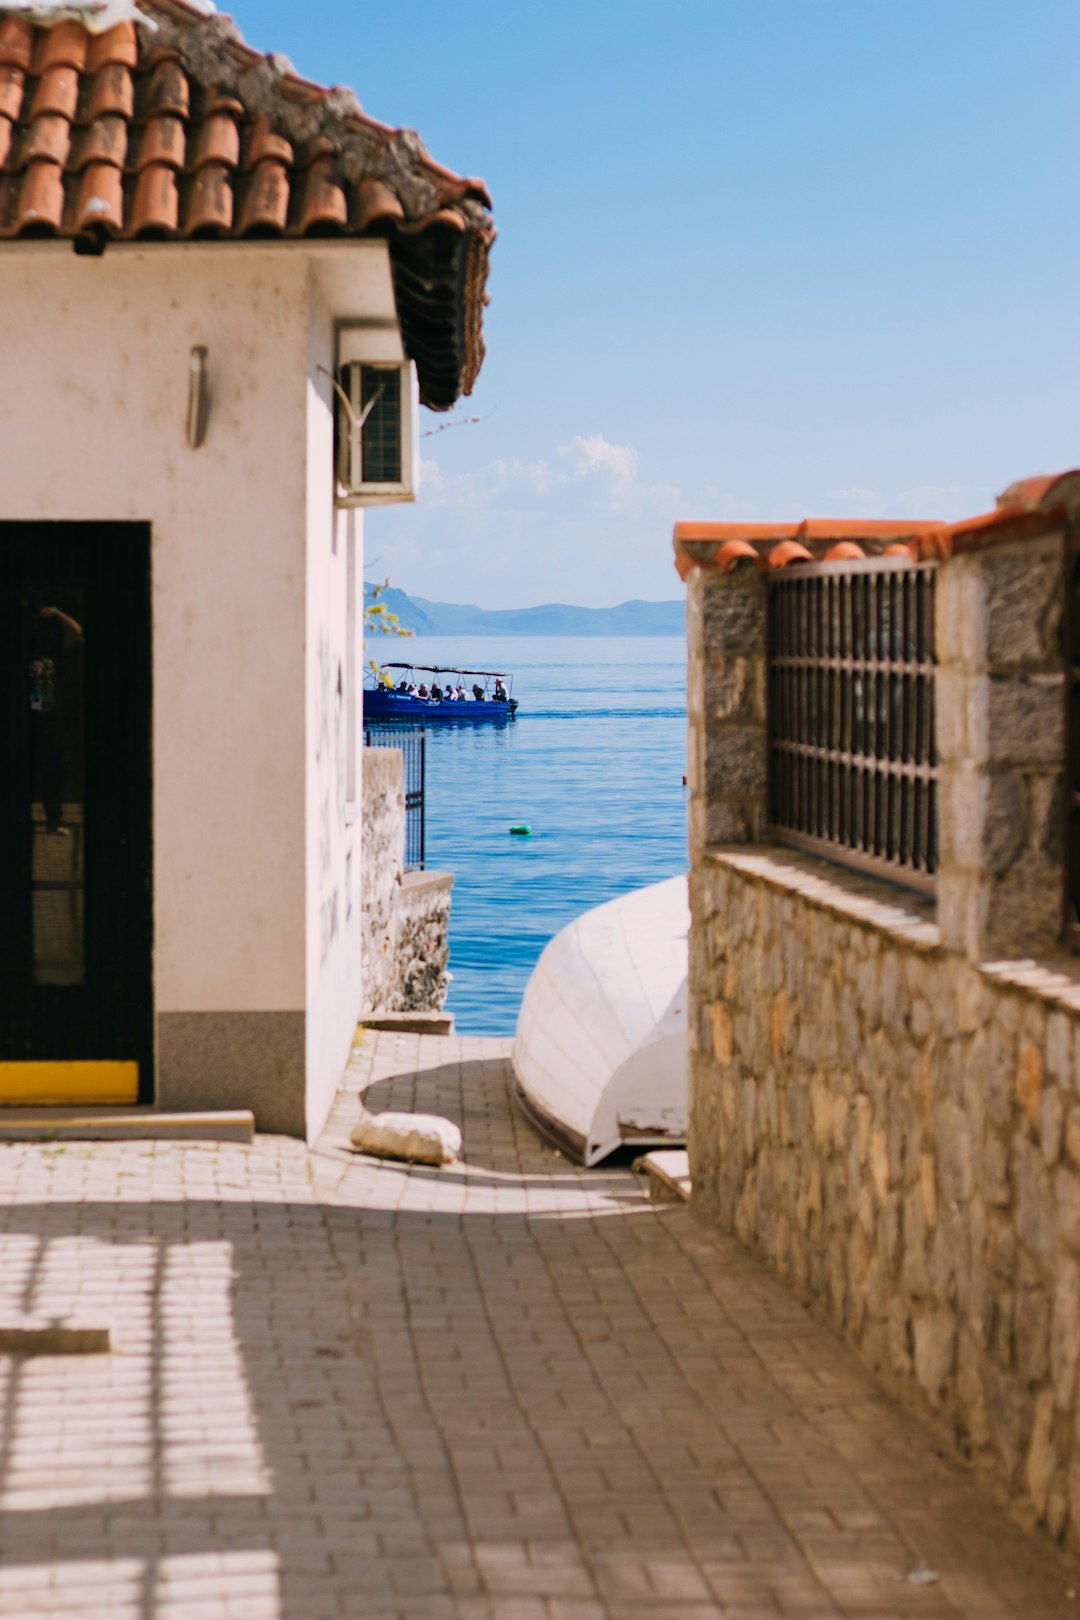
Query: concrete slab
(124, 1125)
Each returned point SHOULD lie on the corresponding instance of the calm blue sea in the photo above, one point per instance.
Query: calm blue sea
(594, 763)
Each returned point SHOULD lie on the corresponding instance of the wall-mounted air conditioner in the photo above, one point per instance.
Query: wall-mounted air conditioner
(377, 422)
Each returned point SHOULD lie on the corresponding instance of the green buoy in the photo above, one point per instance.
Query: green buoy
(522, 829)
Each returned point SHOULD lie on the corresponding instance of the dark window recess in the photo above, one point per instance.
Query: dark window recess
(412, 740)
(382, 427)
(852, 753)
(1072, 736)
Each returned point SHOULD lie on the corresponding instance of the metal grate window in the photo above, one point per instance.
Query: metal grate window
(412, 741)
(852, 757)
(1072, 736)
(380, 388)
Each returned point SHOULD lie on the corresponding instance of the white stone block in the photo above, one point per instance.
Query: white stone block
(420, 1138)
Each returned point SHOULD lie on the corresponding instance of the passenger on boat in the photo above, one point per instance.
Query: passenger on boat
(423, 692)
(462, 695)
(411, 689)
(501, 694)
(436, 692)
(478, 693)
(403, 685)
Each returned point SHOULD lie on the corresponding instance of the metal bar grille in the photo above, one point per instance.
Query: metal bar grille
(852, 755)
(412, 740)
(1072, 736)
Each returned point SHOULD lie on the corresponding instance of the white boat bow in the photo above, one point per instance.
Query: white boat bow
(600, 1057)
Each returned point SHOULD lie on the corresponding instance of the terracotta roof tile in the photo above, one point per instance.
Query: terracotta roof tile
(788, 552)
(157, 202)
(848, 551)
(16, 41)
(184, 131)
(66, 45)
(112, 90)
(1030, 507)
(100, 206)
(105, 141)
(12, 80)
(41, 198)
(219, 139)
(119, 45)
(57, 92)
(210, 203)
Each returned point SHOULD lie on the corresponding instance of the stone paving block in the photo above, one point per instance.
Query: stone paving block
(513, 1390)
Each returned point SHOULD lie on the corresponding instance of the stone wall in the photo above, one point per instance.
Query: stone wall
(885, 1091)
(897, 1130)
(406, 917)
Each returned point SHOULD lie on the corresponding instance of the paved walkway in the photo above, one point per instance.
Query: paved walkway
(507, 1390)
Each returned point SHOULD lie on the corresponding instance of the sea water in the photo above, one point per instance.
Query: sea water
(594, 763)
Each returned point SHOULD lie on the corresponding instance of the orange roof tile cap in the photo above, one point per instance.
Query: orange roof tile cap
(788, 552)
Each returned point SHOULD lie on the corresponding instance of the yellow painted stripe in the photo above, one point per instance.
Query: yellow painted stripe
(100, 1083)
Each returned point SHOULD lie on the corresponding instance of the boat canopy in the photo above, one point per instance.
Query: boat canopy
(448, 669)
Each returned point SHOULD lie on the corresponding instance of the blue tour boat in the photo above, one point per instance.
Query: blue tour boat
(401, 696)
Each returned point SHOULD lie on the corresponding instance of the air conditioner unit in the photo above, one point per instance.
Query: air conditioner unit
(377, 417)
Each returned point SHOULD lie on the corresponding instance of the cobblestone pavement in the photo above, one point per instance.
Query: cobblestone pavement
(507, 1390)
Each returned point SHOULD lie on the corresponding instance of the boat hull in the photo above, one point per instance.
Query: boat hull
(399, 706)
(600, 1054)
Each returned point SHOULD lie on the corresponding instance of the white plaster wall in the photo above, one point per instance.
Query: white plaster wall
(256, 853)
(92, 413)
(333, 957)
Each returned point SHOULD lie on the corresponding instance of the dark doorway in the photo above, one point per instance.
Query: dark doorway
(76, 994)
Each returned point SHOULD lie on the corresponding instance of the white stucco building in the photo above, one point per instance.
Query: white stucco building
(180, 567)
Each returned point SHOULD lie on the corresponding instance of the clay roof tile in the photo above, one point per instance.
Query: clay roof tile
(736, 554)
(844, 551)
(156, 208)
(100, 205)
(376, 205)
(47, 137)
(40, 206)
(65, 45)
(210, 203)
(57, 92)
(324, 205)
(104, 141)
(12, 84)
(163, 141)
(314, 162)
(265, 206)
(16, 41)
(168, 90)
(111, 91)
(267, 143)
(218, 140)
(117, 45)
(788, 552)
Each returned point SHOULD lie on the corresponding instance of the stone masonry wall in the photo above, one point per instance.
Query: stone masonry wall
(897, 1130)
(406, 914)
(1000, 707)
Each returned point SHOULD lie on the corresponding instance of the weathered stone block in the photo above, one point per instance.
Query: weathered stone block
(1024, 720)
(935, 1350)
(735, 762)
(1023, 585)
(732, 615)
(729, 692)
(1065, 1333)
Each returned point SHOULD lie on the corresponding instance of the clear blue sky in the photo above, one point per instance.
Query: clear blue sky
(756, 258)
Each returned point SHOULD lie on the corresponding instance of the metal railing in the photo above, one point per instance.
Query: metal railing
(412, 740)
(852, 753)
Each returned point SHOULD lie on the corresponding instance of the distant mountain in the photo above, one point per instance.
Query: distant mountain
(553, 619)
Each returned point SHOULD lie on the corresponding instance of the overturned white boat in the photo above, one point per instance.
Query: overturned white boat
(600, 1055)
